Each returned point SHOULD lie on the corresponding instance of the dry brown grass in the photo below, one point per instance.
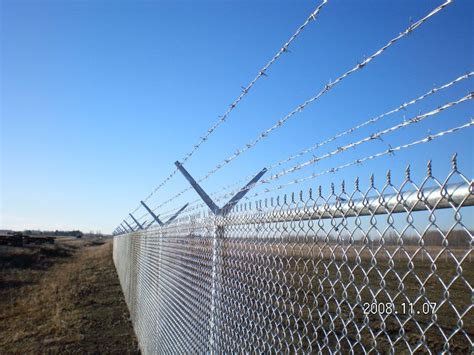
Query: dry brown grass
(67, 301)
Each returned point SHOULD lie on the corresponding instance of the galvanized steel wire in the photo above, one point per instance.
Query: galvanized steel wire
(353, 129)
(245, 91)
(328, 271)
(380, 270)
(264, 134)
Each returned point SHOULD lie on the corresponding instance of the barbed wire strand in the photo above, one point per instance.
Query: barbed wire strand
(351, 130)
(327, 88)
(301, 107)
(244, 92)
(372, 137)
(359, 161)
(389, 151)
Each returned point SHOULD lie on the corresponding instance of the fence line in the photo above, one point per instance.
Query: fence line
(387, 269)
(196, 204)
(382, 270)
(264, 134)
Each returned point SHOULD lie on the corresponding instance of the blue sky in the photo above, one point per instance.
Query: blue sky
(99, 98)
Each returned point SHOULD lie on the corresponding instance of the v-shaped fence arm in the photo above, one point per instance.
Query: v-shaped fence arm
(129, 226)
(205, 197)
(136, 222)
(208, 201)
(155, 217)
(173, 217)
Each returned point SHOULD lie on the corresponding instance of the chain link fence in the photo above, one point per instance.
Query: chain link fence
(381, 269)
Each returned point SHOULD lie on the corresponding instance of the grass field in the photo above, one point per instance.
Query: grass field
(62, 298)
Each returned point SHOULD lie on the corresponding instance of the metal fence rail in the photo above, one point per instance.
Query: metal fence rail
(382, 269)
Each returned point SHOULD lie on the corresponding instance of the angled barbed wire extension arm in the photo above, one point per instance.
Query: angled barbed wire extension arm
(212, 206)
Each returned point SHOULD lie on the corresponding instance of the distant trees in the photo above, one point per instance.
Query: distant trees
(72, 233)
(455, 238)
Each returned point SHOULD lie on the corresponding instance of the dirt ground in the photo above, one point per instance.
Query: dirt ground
(63, 298)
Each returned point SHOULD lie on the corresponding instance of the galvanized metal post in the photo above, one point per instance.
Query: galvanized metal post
(219, 235)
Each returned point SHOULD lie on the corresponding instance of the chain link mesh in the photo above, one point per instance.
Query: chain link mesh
(380, 269)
